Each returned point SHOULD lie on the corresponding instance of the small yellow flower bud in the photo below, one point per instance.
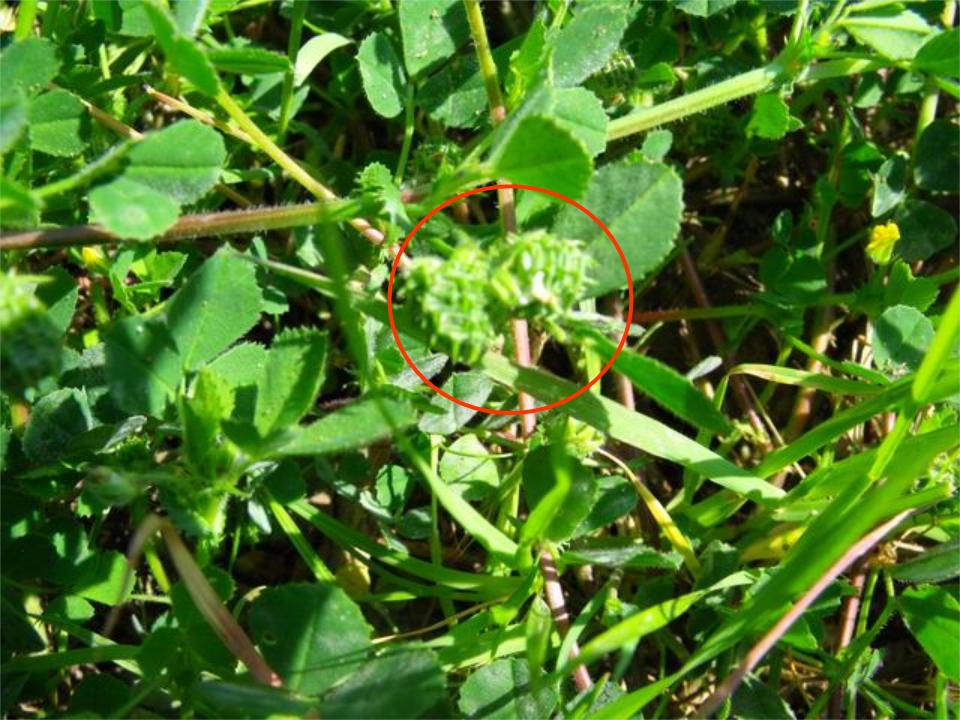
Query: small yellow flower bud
(883, 238)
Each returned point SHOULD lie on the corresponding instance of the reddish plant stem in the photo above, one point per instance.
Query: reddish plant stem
(737, 382)
(558, 608)
(758, 651)
(848, 622)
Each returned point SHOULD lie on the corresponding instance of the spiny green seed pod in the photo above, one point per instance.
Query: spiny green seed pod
(30, 344)
(451, 303)
(538, 274)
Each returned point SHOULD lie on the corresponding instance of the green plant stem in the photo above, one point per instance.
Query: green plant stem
(293, 168)
(748, 83)
(188, 227)
(407, 136)
(25, 17)
(488, 69)
(293, 47)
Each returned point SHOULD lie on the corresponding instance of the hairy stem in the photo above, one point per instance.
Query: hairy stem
(555, 600)
(188, 227)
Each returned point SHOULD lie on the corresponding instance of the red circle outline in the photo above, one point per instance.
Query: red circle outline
(492, 411)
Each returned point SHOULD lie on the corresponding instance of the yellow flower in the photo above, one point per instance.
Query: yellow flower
(882, 240)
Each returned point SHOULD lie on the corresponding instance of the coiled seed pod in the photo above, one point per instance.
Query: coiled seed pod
(538, 274)
(451, 302)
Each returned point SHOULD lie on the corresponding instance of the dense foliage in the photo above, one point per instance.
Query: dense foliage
(226, 494)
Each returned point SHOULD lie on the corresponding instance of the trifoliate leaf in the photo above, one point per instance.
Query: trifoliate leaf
(59, 294)
(581, 112)
(132, 210)
(292, 377)
(312, 635)
(770, 118)
(209, 402)
(29, 64)
(56, 419)
(924, 229)
(182, 161)
(539, 152)
(432, 31)
(13, 117)
(59, 124)
(895, 33)
(657, 144)
(470, 387)
(640, 203)
(408, 680)
(940, 55)
(218, 304)
(313, 52)
(143, 365)
(931, 612)
(503, 689)
(901, 337)
(705, 8)
(937, 156)
(889, 185)
(383, 80)
(587, 41)
(467, 466)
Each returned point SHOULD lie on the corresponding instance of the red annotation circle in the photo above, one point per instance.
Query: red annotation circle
(506, 186)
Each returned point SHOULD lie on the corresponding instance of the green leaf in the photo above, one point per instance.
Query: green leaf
(248, 61)
(313, 52)
(467, 466)
(585, 44)
(293, 375)
(924, 229)
(242, 364)
(100, 577)
(383, 80)
(620, 552)
(403, 682)
(936, 157)
(132, 210)
(705, 8)
(581, 112)
(29, 64)
(13, 117)
(218, 304)
(895, 33)
(526, 64)
(313, 635)
(933, 616)
(59, 294)
(182, 161)
(901, 337)
(503, 689)
(59, 124)
(539, 152)
(940, 55)
(226, 699)
(432, 31)
(470, 387)
(189, 15)
(662, 383)
(142, 364)
(197, 633)
(56, 420)
(889, 185)
(656, 145)
(939, 563)
(209, 402)
(357, 425)
(770, 118)
(755, 700)
(640, 203)
(180, 51)
(633, 428)
(540, 477)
